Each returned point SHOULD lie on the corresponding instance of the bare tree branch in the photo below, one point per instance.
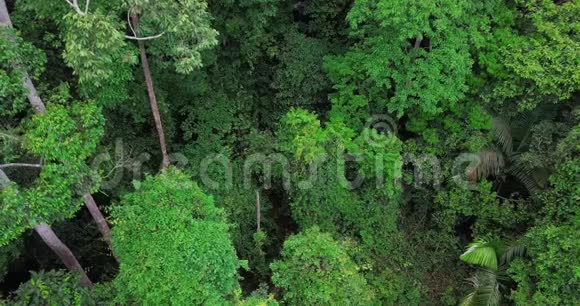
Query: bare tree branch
(258, 211)
(87, 6)
(12, 165)
(144, 38)
(131, 24)
(135, 36)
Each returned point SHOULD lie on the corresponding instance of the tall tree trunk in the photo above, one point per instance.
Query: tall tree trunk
(99, 218)
(4, 180)
(4, 15)
(39, 108)
(33, 97)
(151, 94)
(63, 252)
(56, 245)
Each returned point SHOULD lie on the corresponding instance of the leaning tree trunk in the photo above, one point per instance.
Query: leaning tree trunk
(63, 252)
(33, 97)
(39, 108)
(152, 98)
(99, 218)
(54, 243)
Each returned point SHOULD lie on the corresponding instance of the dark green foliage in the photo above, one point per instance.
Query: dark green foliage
(300, 80)
(550, 275)
(239, 204)
(325, 20)
(51, 289)
(246, 39)
(562, 200)
(9, 253)
(492, 214)
(397, 132)
(16, 58)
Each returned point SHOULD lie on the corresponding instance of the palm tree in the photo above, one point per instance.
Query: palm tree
(489, 281)
(505, 157)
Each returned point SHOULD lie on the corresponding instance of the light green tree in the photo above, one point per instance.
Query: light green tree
(316, 270)
(173, 245)
(406, 55)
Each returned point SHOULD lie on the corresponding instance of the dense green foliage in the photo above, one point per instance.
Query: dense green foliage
(316, 270)
(52, 288)
(173, 245)
(350, 152)
(63, 138)
(7, 254)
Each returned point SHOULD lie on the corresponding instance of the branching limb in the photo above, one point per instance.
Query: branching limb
(75, 5)
(135, 36)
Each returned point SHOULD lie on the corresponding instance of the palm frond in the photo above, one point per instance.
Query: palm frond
(469, 299)
(503, 134)
(544, 111)
(512, 252)
(483, 253)
(490, 162)
(8, 133)
(485, 290)
(526, 175)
